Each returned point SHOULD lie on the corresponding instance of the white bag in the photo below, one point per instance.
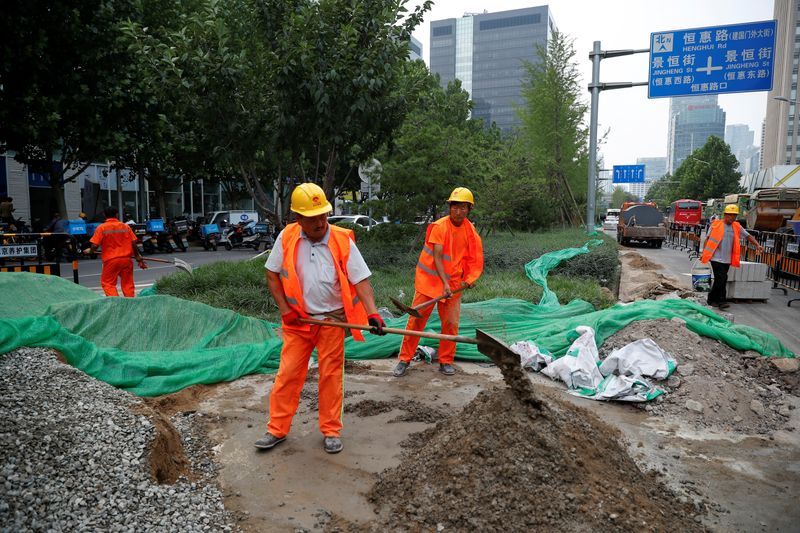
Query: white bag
(530, 356)
(640, 358)
(578, 368)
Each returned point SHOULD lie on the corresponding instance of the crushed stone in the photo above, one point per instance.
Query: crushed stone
(76, 456)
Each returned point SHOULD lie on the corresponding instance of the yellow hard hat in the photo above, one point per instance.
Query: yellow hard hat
(308, 199)
(731, 208)
(461, 194)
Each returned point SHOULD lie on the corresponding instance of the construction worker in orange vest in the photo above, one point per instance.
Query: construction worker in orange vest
(451, 257)
(723, 249)
(118, 243)
(315, 270)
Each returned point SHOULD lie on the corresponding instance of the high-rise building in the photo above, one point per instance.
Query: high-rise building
(692, 120)
(416, 49)
(781, 144)
(487, 52)
(740, 138)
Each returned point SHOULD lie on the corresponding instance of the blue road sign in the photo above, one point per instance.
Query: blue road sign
(628, 174)
(721, 59)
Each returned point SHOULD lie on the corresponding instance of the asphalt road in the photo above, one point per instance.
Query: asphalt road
(89, 269)
(772, 316)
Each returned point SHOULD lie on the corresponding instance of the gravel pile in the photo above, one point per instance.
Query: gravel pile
(714, 386)
(75, 456)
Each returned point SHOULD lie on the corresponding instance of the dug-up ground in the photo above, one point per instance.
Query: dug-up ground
(720, 450)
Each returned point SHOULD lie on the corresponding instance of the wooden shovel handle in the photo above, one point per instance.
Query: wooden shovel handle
(442, 297)
(396, 331)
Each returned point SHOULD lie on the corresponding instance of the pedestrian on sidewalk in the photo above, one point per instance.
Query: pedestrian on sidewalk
(118, 243)
(723, 250)
(315, 270)
(451, 256)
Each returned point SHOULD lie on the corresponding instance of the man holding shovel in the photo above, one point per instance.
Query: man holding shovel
(118, 242)
(451, 260)
(315, 271)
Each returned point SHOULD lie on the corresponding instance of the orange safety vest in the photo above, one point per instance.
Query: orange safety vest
(339, 245)
(715, 235)
(427, 280)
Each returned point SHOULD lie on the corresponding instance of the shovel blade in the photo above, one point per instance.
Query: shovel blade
(403, 308)
(183, 265)
(508, 362)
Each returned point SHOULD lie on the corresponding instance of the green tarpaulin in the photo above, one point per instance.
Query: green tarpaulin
(160, 344)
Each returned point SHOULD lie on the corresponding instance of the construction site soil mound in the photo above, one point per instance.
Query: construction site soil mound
(714, 386)
(638, 261)
(503, 465)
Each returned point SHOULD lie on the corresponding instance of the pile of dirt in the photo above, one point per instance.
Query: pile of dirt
(504, 465)
(638, 261)
(413, 411)
(714, 386)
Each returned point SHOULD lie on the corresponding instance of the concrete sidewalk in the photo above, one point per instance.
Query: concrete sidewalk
(772, 316)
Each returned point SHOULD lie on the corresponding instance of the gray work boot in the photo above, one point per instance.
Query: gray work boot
(400, 369)
(333, 444)
(268, 441)
(446, 369)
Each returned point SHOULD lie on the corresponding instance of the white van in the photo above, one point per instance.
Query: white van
(223, 219)
(612, 218)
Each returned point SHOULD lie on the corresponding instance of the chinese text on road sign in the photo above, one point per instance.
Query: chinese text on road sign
(628, 174)
(721, 59)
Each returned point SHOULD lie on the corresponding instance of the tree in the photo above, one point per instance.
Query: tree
(709, 172)
(339, 65)
(663, 191)
(554, 128)
(57, 84)
(620, 196)
(435, 150)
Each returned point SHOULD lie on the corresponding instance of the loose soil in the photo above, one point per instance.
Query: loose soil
(739, 392)
(640, 281)
(413, 411)
(503, 465)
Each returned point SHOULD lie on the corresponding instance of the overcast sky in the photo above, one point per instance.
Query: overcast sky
(636, 125)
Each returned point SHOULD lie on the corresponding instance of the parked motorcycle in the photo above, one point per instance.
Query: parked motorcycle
(241, 235)
(209, 235)
(179, 229)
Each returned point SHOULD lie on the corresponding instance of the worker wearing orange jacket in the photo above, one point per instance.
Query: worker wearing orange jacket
(452, 256)
(118, 243)
(722, 249)
(315, 270)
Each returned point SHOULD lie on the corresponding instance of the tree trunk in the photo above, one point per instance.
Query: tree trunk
(256, 190)
(330, 175)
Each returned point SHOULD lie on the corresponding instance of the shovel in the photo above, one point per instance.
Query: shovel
(501, 355)
(414, 311)
(179, 263)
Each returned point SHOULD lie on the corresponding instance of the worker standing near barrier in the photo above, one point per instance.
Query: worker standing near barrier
(451, 256)
(723, 249)
(118, 243)
(315, 270)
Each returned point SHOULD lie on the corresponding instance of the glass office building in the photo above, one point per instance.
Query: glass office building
(692, 120)
(487, 52)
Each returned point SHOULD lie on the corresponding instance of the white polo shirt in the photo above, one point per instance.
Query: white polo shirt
(316, 272)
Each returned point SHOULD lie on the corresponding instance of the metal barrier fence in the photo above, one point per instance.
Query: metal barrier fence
(685, 239)
(782, 255)
(17, 248)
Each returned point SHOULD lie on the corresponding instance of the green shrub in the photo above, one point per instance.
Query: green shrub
(391, 251)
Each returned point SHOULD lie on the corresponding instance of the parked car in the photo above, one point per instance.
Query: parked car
(361, 220)
(611, 219)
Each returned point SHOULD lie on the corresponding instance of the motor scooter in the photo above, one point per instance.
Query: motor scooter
(241, 235)
(209, 235)
(179, 228)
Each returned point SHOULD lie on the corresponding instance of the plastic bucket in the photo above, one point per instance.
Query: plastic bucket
(701, 277)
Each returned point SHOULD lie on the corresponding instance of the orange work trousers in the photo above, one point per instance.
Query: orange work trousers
(285, 395)
(119, 267)
(449, 314)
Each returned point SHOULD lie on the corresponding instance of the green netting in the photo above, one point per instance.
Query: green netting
(160, 344)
